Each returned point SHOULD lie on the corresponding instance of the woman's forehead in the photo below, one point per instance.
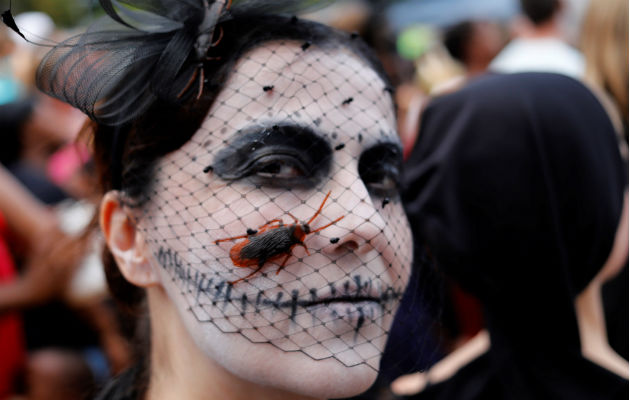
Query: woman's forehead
(304, 84)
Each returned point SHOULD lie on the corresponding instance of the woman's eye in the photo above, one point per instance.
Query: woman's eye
(286, 156)
(382, 181)
(386, 184)
(379, 168)
(281, 168)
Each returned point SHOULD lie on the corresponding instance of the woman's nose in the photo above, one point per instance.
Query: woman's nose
(362, 228)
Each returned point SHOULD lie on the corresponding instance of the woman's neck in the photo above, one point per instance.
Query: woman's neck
(592, 325)
(180, 370)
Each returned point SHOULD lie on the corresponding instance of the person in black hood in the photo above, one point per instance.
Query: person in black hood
(516, 186)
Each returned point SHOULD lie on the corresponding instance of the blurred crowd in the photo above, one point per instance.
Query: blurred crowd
(61, 336)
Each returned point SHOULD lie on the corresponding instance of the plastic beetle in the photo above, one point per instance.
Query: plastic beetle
(272, 241)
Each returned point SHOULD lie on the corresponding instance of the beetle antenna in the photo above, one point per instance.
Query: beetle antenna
(320, 209)
(327, 225)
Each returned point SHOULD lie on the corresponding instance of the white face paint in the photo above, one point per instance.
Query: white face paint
(290, 126)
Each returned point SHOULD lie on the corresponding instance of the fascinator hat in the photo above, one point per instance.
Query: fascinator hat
(142, 51)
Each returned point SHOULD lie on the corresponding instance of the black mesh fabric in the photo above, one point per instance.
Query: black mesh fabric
(298, 140)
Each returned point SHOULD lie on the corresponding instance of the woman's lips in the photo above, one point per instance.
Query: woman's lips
(338, 302)
(340, 299)
(356, 290)
(355, 309)
(354, 297)
(355, 287)
(355, 303)
(341, 312)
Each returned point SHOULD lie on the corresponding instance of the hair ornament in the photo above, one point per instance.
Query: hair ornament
(142, 51)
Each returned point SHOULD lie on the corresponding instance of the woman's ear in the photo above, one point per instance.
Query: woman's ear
(125, 242)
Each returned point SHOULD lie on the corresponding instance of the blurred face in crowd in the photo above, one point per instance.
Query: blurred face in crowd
(487, 41)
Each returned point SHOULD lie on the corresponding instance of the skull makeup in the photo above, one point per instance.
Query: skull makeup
(296, 128)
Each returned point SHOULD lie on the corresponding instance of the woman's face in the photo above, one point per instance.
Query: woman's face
(292, 124)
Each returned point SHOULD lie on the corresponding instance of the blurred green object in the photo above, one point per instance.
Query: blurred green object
(414, 41)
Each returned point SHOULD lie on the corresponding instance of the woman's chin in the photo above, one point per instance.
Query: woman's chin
(298, 374)
(292, 372)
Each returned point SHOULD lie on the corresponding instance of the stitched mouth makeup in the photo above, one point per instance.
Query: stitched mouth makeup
(352, 299)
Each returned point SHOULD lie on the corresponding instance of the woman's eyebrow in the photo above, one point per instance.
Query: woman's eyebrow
(273, 133)
(383, 152)
(390, 148)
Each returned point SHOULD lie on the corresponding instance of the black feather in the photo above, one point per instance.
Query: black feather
(8, 20)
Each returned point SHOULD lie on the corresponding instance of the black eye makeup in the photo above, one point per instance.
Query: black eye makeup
(379, 169)
(275, 156)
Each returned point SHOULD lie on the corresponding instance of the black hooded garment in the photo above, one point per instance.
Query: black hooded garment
(516, 187)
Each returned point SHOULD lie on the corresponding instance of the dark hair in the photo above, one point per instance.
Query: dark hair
(125, 156)
(539, 11)
(456, 39)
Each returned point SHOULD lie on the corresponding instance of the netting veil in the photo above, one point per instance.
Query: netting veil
(266, 161)
(279, 221)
